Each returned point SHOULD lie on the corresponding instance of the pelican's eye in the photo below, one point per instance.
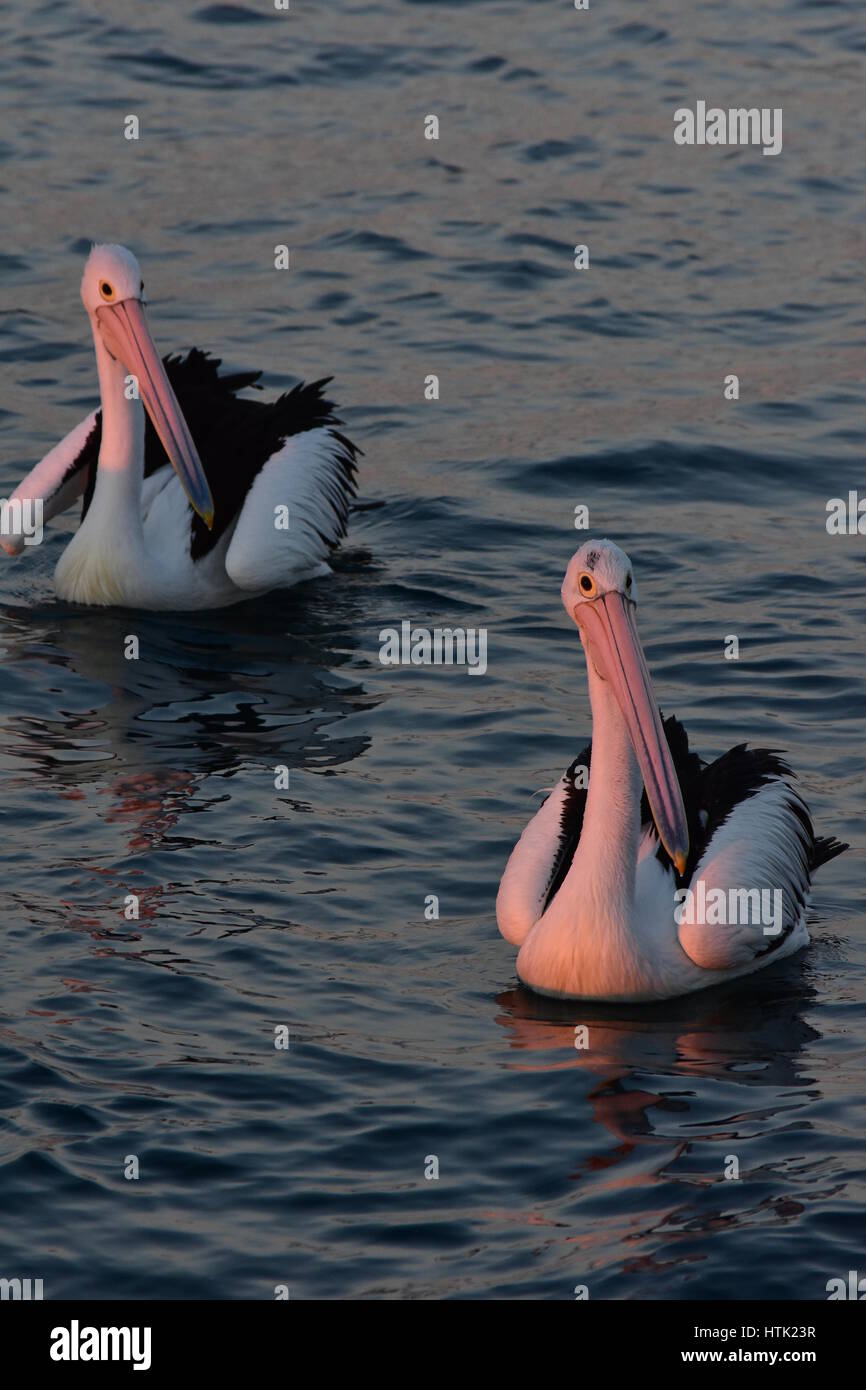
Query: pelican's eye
(587, 584)
(141, 288)
(628, 583)
(106, 290)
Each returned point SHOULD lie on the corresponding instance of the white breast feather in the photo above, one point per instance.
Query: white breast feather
(301, 477)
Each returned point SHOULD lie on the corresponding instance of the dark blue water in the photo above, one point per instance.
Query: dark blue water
(305, 907)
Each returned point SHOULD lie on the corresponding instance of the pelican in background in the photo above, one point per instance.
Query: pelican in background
(613, 896)
(213, 498)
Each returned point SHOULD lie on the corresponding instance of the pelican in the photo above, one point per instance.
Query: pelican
(613, 896)
(210, 500)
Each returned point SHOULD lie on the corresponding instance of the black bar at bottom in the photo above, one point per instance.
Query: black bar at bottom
(81, 1340)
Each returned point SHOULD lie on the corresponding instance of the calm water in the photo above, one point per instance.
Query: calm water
(306, 907)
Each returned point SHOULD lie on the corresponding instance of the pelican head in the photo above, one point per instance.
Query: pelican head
(112, 291)
(111, 275)
(600, 595)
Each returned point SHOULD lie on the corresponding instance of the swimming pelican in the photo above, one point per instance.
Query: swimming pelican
(210, 500)
(611, 896)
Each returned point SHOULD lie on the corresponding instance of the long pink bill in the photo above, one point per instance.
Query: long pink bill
(126, 335)
(619, 658)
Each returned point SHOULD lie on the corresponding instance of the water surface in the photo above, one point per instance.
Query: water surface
(305, 908)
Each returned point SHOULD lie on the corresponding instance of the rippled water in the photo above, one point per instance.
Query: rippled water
(306, 907)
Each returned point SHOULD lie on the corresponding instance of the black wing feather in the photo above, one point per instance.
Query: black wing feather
(570, 825)
(711, 791)
(235, 438)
